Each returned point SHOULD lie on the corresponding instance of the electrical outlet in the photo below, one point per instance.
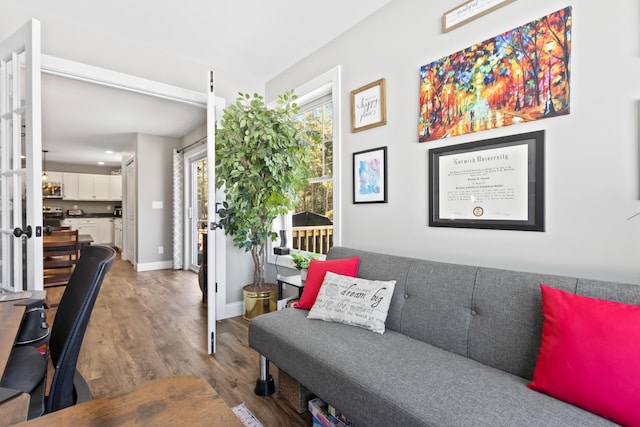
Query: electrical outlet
(108, 207)
(160, 250)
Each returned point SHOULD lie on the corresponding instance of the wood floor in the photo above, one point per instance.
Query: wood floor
(150, 325)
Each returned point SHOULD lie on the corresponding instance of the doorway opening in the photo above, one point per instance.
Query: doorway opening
(197, 204)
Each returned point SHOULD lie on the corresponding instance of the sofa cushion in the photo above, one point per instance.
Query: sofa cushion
(353, 301)
(590, 354)
(315, 276)
(394, 380)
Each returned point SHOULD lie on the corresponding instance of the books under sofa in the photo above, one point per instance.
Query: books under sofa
(463, 345)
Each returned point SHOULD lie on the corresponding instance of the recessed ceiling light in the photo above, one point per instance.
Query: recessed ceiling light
(101, 163)
(108, 151)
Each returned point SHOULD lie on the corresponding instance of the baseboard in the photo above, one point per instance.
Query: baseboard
(149, 266)
(233, 309)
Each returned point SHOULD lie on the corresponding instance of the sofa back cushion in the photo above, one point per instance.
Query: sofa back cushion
(505, 331)
(437, 307)
(618, 292)
(490, 315)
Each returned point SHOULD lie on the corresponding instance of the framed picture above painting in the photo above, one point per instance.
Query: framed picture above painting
(370, 176)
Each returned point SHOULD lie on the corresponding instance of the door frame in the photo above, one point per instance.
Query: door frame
(206, 100)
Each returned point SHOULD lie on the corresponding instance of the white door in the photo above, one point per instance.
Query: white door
(211, 212)
(21, 160)
(130, 204)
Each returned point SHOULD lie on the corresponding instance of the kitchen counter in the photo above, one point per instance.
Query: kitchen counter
(91, 215)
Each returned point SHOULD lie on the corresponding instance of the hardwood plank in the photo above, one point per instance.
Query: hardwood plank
(10, 320)
(149, 325)
(14, 410)
(167, 401)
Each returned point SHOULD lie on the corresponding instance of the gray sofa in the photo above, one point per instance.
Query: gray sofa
(460, 347)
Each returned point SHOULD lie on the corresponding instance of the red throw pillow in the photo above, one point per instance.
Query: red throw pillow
(590, 355)
(315, 277)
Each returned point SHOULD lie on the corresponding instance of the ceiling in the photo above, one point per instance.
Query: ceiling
(82, 120)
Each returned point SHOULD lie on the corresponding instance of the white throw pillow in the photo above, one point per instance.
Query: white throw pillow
(353, 301)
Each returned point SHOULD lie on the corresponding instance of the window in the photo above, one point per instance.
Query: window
(312, 220)
(314, 224)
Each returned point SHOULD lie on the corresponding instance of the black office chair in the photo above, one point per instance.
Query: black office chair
(26, 370)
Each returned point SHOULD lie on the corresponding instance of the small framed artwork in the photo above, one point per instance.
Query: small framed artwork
(368, 106)
(497, 183)
(370, 176)
(468, 11)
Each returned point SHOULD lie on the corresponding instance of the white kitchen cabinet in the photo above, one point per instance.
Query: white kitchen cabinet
(54, 176)
(115, 190)
(86, 187)
(89, 187)
(69, 222)
(83, 225)
(69, 186)
(102, 187)
(104, 233)
(117, 233)
(100, 229)
(93, 187)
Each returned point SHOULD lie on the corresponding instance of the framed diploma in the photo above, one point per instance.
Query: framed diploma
(496, 183)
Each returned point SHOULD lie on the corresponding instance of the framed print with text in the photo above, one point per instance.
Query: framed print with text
(496, 183)
(468, 11)
(370, 176)
(368, 106)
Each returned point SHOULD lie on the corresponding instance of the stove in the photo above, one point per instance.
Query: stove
(52, 212)
(52, 216)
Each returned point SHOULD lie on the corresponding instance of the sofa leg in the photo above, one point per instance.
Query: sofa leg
(265, 385)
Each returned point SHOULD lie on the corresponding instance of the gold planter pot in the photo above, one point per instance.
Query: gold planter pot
(259, 301)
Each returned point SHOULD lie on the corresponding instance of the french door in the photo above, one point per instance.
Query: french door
(20, 160)
(211, 213)
(21, 156)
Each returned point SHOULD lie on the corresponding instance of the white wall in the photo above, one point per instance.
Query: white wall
(592, 155)
(154, 166)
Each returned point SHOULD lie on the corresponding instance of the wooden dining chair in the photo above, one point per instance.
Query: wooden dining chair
(60, 254)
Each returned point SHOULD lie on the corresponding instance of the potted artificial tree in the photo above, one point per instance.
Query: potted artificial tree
(263, 164)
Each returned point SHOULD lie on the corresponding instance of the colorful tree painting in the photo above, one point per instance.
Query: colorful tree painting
(519, 76)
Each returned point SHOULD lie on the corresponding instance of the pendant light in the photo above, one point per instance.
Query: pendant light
(44, 173)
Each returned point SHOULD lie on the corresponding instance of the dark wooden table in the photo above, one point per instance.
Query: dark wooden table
(50, 241)
(15, 409)
(184, 401)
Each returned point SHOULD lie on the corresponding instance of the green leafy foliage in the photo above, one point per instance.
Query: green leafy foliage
(300, 260)
(263, 164)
